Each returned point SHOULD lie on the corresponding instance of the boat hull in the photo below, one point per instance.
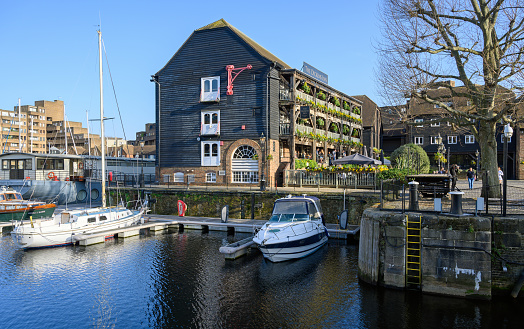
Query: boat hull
(295, 249)
(41, 211)
(65, 234)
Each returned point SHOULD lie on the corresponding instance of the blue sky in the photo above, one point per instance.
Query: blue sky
(49, 48)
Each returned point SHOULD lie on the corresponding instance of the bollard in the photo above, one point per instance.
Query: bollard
(413, 196)
(456, 203)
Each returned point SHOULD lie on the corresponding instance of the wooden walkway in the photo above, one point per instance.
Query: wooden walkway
(154, 223)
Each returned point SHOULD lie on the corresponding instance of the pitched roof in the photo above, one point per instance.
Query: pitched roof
(221, 23)
(258, 48)
(368, 110)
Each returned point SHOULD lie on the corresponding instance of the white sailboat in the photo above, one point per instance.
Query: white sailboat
(62, 228)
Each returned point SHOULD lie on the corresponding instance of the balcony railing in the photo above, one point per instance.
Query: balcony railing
(285, 95)
(305, 129)
(285, 128)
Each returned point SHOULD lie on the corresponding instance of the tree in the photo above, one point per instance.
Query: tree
(476, 43)
(410, 156)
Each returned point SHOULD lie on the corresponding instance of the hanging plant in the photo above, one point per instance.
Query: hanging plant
(346, 106)
(334, 127)
(320, 122)
(306, 88)
(335, 101)
(345, 130)
(321, 95)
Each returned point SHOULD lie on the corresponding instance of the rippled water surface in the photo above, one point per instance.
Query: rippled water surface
(181, 280)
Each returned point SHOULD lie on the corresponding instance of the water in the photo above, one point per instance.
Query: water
(181, 280)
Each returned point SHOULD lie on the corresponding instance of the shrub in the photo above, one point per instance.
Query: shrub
(305, 163)
(410, 156)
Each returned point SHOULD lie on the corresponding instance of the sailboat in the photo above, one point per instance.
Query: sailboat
(64, 228)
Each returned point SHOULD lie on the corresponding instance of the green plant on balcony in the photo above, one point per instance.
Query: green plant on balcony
(345, 130)
(335, 101)
(356, 110)
(321, 95)
(354, 133)
(306, 88)
(347, 107)
(320, 122)
(333, 127)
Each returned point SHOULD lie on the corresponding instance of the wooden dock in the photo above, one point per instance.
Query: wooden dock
(155, 223)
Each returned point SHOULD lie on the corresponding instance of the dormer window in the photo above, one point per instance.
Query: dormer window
(210, 89)
(210, 124)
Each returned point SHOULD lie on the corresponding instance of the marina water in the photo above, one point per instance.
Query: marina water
(181, 280)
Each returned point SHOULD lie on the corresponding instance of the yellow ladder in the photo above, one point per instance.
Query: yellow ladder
(413, 254)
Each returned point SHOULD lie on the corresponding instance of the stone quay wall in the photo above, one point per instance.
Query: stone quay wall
(207, 203)
(460, 256)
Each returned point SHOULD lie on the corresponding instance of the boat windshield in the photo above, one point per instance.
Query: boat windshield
(288, 211)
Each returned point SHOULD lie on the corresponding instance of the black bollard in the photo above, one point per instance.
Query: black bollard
(413, 196)
(456, 203)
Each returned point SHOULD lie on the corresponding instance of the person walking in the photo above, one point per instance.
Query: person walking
(501, 174)
(471, 177)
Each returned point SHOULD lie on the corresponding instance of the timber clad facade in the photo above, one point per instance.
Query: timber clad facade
(205, 133)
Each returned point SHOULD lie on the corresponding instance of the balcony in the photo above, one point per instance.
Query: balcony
(285, 128)
(305, 96)
(304, 129)
(285, 95)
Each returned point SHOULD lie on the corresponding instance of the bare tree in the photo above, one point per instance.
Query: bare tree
(476, 43)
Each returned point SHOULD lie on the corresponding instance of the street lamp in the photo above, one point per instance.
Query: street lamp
(508, 132)
(263, 147)
(142, 166)
(441, 149)
(477, 154)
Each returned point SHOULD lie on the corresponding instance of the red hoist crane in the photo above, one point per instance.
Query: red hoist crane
(232, 74)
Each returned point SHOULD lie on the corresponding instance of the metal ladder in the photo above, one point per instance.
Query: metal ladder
(413, 252)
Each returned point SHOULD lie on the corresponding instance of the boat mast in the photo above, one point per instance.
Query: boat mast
(102, 120)
(19, 127)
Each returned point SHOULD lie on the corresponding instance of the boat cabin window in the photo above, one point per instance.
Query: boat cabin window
(287, 211)
(2, 198)
(11, 196)
(91, 220)
(103, 218)
(18, 196)
(313, 210)
(65, 218)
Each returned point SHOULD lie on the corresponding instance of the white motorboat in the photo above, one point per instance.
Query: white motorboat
(61, 229)
(296, 229)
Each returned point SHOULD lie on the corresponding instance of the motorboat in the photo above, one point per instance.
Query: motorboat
(64, 228)
(14, 207)
(296, 229)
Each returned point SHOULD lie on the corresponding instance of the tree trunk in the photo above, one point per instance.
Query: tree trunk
(489, 163)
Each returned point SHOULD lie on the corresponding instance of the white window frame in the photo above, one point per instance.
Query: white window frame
(418, 140)
(469, 139)
(213, 125)
(178, 177)
(435, 124)
(419, 120)
(210, 153)
(210, 89)
(211, 177)
(434, 140)
(452, 139)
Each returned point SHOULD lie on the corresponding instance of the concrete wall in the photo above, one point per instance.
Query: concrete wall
(455, 253)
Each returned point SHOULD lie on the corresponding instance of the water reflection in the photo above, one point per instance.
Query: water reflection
(181, 280)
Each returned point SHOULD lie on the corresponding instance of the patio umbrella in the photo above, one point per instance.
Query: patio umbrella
(357, 159)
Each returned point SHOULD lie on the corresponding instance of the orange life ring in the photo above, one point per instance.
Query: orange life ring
(67, 178)
(81, 165)
(51, 175)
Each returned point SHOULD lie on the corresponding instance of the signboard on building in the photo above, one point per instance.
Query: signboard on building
(304, 112)
(317, 74)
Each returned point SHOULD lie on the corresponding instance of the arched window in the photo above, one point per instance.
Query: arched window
(244, 165)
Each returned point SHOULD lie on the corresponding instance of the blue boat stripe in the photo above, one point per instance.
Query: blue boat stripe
(295, 243)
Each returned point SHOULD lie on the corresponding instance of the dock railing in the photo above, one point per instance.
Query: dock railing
(329, 179)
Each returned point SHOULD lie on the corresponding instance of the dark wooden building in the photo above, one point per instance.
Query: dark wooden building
(226, 110)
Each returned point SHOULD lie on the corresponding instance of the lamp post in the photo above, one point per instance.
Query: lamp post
(508, 132)
(263, 147)
(441, 149)
(142, 164)
(477, 154)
